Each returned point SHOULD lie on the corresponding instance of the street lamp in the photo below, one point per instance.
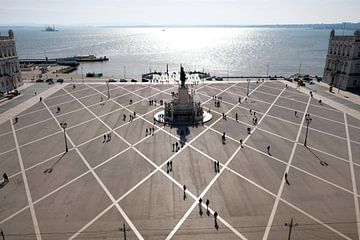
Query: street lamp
(63, 126)
(247, 92)
(107, 84)
(308, 121)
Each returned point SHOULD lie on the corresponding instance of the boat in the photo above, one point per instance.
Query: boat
(94, 74)
(90, 58)
(48, 28)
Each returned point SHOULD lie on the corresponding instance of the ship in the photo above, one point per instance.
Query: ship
(90, 58)
(48, 28)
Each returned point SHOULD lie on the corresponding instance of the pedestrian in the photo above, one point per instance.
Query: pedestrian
(249, 130)
(101, 99)
(286, 85)
(124, 117)
(223, 114)
(215, 221)
(286, 179)
(153, 131)
(134, 114)
(58, 109)
(250, 112)
(173, 145)
(254, 114)
(200, 207)
(268, 149)
(16, 119)
(146, 132)
(184, 187)
(215, 167)
(239, 99)
(218, 166)
(40, 99)
(241, 143)
(311, 94)
(104, 138)
(168, 167)
(6, 178)
(236, 117)
(74, 86)
(35, 94)
(320, 102)
(207, 207)
(295, 113)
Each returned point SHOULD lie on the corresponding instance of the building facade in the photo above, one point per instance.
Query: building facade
(342, 68)
(10, 74)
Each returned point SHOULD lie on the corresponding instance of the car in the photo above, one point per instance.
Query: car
(133, 80)
(123, 80)
(218, 78)
(60, 80)
(209, 78)
(39, 80)
(112, 80)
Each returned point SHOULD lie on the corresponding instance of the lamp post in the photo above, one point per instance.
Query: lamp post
(107, 84)
(247, 92)
(308, 121)
(82, 74)
(63, 126)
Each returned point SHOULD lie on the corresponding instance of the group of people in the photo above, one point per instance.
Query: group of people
(149, 131)
(107, 137)
(175, 147)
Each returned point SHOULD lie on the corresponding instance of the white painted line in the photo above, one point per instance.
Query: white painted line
(26, 185)
(281, 188)
(315, 219)
(182, 220)
(137, 233)
(353, 180)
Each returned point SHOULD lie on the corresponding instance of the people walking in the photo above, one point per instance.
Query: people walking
(6, 178)
(200, 207)
(207, 207)
(215, 221)
(286, 179)
(184, 187)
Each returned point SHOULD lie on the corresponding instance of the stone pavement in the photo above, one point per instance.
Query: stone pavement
(102, 183)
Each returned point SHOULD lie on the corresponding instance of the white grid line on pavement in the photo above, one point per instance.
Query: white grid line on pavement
(172, 179)
(106, 190)
(189, 145)
(353, 180)
(27, 189)
(202, 194)
(281, 188)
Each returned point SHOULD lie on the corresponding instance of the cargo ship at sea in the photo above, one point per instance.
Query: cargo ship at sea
(48, 28)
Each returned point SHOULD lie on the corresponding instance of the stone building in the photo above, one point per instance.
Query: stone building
(10, 75)
(342, 67)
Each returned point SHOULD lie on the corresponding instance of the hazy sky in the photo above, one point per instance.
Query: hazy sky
(177, 12)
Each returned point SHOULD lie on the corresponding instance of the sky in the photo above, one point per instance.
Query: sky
(177, 12)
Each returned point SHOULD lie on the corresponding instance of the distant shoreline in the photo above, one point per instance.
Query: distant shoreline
(345, 26)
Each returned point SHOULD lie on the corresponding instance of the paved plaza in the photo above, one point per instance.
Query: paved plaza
(115, 174)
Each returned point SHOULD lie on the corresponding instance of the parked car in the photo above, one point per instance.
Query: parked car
(39, 80)
(112, 80)
(133, 80)
(60, 80)
(123, 80)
